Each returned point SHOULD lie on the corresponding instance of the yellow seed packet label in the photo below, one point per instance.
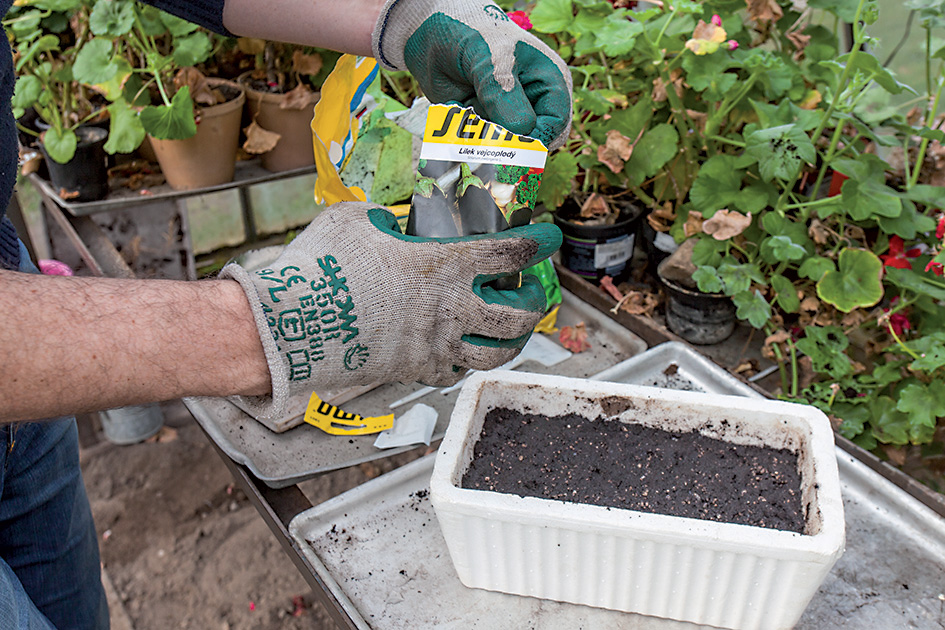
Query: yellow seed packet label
(335, 421)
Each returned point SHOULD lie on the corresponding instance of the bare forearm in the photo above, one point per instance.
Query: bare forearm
(343, 26)
(70, 345)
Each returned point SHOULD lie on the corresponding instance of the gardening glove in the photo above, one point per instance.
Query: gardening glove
(352, 301)
(470, 52)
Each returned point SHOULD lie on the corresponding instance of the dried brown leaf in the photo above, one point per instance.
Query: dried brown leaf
(259, 140)
(310, 64)
(595, 206)
(764, 10)
(299, 98)
(726, 224)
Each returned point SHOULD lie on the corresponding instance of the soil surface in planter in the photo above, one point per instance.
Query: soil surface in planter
(632, 467)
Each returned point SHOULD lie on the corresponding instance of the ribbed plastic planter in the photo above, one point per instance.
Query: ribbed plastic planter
(706, 572)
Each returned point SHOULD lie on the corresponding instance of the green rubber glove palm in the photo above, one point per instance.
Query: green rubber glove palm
(470, 52)
(352, 301)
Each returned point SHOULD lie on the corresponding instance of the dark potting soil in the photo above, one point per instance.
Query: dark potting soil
(628, 466)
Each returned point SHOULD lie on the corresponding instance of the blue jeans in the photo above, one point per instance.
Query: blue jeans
(50, 576)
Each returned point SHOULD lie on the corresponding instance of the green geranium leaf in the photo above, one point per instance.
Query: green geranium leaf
(718, 185)
(125, 131)
(26, 92)
(785, 294)
(177, 27)
(870, 200)
(856, 283)
(702, 71)
(779, 150)
(890, 426)
(753, 307)
(591, 101)
(815, 267)
(560, 171)
(150, 19)
(28, 55)
(26, 25)
(921, 283)
(909, 224)
(737, 278)
(783, 248)
(631, 121)
(926, 194)
(57, 5)
(95, 63)
(932, 354)
(707, 279)
(192, 49)
(552, 16)
(112, 19)
(854, 418)
(60, 145)
(868, 64)
(655, 148)
(708, 251)
(923, 404)
(785, 113)
(844, 9)
(174, 122)
(617, 35)
(826, 346)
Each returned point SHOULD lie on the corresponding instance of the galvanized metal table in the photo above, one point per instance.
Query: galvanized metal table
(376, 560)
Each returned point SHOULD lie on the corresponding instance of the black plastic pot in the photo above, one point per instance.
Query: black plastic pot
(595, 251)
(85, 176)
(699, 318)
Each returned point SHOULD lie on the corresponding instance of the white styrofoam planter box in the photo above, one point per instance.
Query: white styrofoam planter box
(719, 574)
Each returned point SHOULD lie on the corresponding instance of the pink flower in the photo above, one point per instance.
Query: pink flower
(732, 44)
(940, 230)
(520, 18)
(717, 19)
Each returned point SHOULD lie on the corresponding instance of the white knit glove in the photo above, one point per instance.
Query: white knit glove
(352, 301)
(470, 52)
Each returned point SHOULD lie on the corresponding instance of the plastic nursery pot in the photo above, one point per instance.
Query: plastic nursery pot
(699, 318)
(207, 158)
(268, 110)
(85, 176)
(595, 251)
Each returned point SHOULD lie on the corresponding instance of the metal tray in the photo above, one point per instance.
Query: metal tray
(283, 459)
(379, 550)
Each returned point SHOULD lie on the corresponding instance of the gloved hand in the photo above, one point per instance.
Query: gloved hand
(472, 53)
(352, 301)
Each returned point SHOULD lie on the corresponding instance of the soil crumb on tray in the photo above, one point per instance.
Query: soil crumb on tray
(628, 466)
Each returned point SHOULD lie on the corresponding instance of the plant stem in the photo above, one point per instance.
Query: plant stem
(930, 121)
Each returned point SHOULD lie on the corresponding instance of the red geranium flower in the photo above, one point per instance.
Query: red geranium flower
(937, 268)
(896, 257)
(520, 18)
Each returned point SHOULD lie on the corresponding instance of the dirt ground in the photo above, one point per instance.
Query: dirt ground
(182, 547)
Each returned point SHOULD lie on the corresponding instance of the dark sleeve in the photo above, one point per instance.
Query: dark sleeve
(206, 13)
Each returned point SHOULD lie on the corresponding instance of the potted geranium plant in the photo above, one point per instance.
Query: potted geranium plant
(147, 62)
(50, 58)
(282, 89)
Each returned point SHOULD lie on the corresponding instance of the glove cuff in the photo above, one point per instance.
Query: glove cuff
(394, 26)
(270, 407)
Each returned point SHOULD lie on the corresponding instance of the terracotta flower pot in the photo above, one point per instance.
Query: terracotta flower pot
(271, 112)
(209, 157)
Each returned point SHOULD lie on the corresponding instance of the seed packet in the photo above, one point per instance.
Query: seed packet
(474, 176)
